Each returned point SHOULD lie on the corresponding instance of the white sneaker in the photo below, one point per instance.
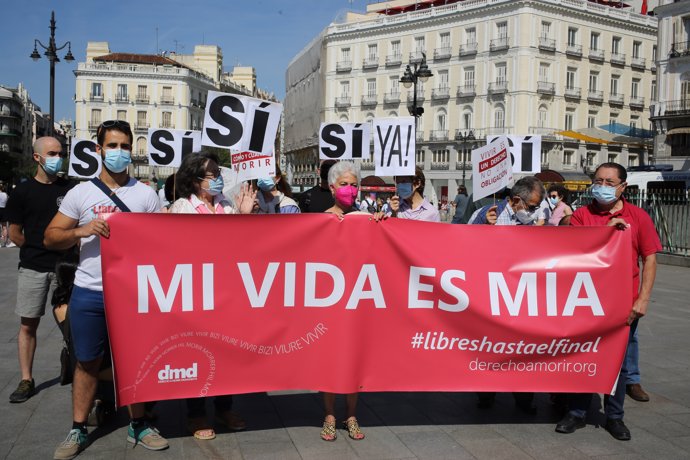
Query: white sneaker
(11, 245)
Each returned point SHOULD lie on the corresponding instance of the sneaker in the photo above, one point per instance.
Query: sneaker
(11, 245)
(147, 436)
(69, 448)
(24, 391)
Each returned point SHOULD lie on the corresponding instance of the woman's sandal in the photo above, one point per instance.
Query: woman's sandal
(328, 432)
(200, 428)
(353, 431)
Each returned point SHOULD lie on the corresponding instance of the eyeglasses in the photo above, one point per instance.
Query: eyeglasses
(112, 123)
(553, 196)
(608, 182)
(531, 208)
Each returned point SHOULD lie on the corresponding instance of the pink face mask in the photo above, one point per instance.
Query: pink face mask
(346, 195)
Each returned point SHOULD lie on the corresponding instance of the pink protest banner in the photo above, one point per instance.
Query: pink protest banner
(206, 305)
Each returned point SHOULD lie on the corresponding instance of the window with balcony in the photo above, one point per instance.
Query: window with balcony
(501, 73)
(591, 121)
(95, 118)
(594, 41)
(570, 78)
(372, 58)
(419, 156)
(469, 45)
(502, 30)
(568, 123)
(444, 50)
(634, 88)
(142, 94)
(469, 77)
(167, 120)
(122, 93)
(637, 49)
(395, 56)
(419, 44)
(543, 116)
(440, 156)
(167, 96)
(499, 118)
(615, 79)
(467, 120)
(140, 149)
(96, 92)
(568, 156)
(142, 122)
(615, 45)
(572, 36)
(344, 64)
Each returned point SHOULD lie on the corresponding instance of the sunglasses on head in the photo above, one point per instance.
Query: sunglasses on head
(112, 123)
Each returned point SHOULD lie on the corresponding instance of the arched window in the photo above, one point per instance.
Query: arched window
(542, 121)
(441, 118)
(141, 146)
(466, 119)
(499, 117)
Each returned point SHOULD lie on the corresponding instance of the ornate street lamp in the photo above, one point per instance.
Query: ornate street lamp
(465, 138)
(410, 78)
(51, 54)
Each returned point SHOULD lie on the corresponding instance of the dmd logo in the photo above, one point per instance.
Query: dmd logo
(177, 375)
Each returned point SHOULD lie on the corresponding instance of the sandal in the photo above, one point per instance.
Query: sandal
(328, 432)
(200, 428)
(353, 431)
(231, 420)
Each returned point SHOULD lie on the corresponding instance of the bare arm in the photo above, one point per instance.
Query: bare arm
(62, 232)
(17, 235)
(639, 308)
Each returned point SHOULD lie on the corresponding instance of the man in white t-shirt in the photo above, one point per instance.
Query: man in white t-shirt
(80, 219)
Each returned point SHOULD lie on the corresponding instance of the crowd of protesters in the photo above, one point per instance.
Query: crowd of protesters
(59, 224)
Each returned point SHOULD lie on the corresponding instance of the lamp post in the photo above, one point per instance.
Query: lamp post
(464, 139)
(410, 78)
(51, 54)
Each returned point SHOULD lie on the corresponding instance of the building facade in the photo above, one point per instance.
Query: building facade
(532, 67)
(151, 91)
(671, 111)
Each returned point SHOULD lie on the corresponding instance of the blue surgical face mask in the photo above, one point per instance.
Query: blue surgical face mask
(215, 186)
(604, 194)
(553, 201)
(52, 165)
(265, 184)
(404, 190)
(117, 160)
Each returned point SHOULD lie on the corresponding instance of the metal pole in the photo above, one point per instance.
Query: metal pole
(52, 49)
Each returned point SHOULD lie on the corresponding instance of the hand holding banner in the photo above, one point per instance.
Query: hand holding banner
(84, 161)
(491, 168)
(394, 146)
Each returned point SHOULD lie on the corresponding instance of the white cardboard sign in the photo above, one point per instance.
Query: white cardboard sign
(394, 146)
(344, 141)
(240, 123)
(84, 161)
(525, 152)
(491, 168)
(166, 147)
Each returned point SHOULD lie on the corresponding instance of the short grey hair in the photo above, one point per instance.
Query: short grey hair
(525, 187)
(340, 168)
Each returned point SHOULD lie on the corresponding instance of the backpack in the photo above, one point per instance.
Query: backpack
(371, 207)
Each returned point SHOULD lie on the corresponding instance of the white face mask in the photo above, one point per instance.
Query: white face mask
(525, 217)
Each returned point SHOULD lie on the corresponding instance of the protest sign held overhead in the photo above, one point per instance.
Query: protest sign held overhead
(249, 165)
(525, 152)
(84, 161)
(491, 168)
(240, 123)
(394, 146)
(166, 147)
(344, 141)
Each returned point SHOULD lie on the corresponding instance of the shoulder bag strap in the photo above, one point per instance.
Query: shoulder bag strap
(110, 194)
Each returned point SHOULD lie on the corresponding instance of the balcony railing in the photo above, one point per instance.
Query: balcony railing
(671, 108)
(468, 49)
(573, 50)
(419, 136)
(420, 96)
(616, 99)
(617, 58)
(596, 55)
(439, 135)
(96, 97)
(343, 101)
(637, 102)
(679, 49)
(637, 63)
(549, 133)
(167, 100)
(370, 62)
(442, 92)
(498, 87)
(595, 96)
(392, 97)
(440, 165)
(393, 59)
(416, 56)
(168, 125)
(546, 87)
(547, 44)
(142, 99)
(94, 124)
(499, 44)
(141, 126)
(122, 98)
(343, 66)
(498, 130)
(369, 100)
(466, 91)
(443, 53)
(572, 92)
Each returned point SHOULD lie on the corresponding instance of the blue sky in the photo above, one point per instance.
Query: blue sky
(265, 34)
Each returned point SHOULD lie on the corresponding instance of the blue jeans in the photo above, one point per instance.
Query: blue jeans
(631, 363)
(580, 402)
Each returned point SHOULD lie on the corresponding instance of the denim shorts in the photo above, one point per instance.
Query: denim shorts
(34, 289)
(87, 322)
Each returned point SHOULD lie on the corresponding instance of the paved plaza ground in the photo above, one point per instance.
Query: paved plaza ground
(397, 425)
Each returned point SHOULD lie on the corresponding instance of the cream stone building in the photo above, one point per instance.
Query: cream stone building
(671, 111)
(152, 91)
(532, 67)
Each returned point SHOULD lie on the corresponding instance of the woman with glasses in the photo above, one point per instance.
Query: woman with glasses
(199, 186)
(558, 201)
